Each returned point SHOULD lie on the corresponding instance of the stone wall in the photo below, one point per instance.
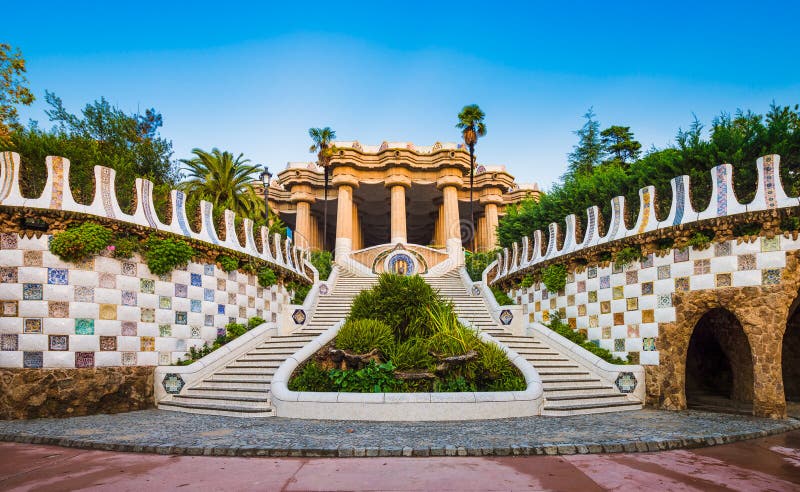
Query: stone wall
(41, 393)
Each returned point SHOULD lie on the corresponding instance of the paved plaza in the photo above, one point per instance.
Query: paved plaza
(771, 463)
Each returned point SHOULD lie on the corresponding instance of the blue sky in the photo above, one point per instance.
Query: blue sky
(253, 78)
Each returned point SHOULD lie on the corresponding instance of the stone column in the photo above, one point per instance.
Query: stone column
(303, 225)
(480, 243)
(451, 225)
(345, 185)
(491, 226)
(397, 184)
(358, 241)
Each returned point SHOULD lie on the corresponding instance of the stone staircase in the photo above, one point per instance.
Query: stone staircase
(569, 389)
(242, 387)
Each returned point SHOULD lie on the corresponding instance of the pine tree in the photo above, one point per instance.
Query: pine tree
(588, 153)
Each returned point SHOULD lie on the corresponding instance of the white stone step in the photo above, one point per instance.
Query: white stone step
(225, 410)
(588, 408)
(578, 391)
(231, 386)
(261, 402)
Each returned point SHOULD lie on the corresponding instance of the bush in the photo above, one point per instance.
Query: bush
(399, 301)
(311, 377)
(701, 239)
(124, 247)
(746, 229)
(267, 277)
(453, 385)
(362, 335)
(449, 337)
(323, 262)
(476, 263)
(300, 291)
(235, 330)
(527, 281)
(373, 378)
(81, 242)
(410, 354)
(627, 255)
(578, 338)
(501, 297)
(254, 322)
(665, 243)
(790, 223)
(227, 263)
(554, 277)
(164, 255)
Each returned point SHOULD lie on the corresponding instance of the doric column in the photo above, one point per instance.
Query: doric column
(345, 184)
(451, 226)
(303, 225)
(397, 184)
(358, 241)
(491, 226)
(480, 234)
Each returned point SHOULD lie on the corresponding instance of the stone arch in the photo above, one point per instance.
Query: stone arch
(719, 363)
(790, 358)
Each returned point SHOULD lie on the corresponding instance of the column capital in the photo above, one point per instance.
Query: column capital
(397, 180)
(345, 180)
(445, 181)
(303, 197)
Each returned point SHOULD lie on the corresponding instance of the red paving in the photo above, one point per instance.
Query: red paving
(771, 463)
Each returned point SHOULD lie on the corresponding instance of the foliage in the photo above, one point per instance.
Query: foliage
(235, 330)
(627, 255)
(618, 142)
(700, 239)
(362, 335)
(500, 296)
(232, 332)
(124, 247)
(323, 262)
(81, 242)
(476, 263)
(589, 151)
(322, 138)
(373, 378)
(227, 263)
(13, 89)
(526, 282)
(224, 180)
(746, 229)
(102, 135)
(605, 256)
(267, 277)
(410, 354)
(738, 139)
(791, 223)
(448, 336)
(399, 301)
(579, 338)
(299, 291)
(453, 385)
(254, 322)
(311, 377)
(164, 255)
(665, 243)
(554, 277)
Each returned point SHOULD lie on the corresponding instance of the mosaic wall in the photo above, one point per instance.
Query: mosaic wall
(620, 308)
(108, 312)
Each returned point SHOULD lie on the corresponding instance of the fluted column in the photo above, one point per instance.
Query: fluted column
(397, 184)
(345, 184)
(451, 225)
(358, 241)
(303, 225)
(480, 233)
(491, 226)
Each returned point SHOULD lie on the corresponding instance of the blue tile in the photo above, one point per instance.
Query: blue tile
(57, 276)
(197, 280)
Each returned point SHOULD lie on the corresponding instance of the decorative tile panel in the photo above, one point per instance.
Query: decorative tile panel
(722, 249)
(681, 255)
(9, 342)
(619, 345)
(107, 281)
(148, 344)
(702, 267)
(626, 382)
(58, 309)
(605, 282)
(208, 295)
(663, 272)
(299, 316)
(32, 258)
(129, 328)
(173, 383)
(58, 343)
(164, 302)
(128, 298)
(10, 309)
(164, 330)
(181, 318)
(196, 280)
(196, 306)
(84, 294)
(591, 272)
(648, 316)
(108, 311)
(208, 269)
(32, 360)
(649, 344)
(129, 268)
(770, 244)
(8, 275)
(32, 325)
(632, 303)
(84, 326)
(32, 292)
(723, 280)
(505, 317)
(181, 290)
(631, 277)
(147, 286)
(220, 308)
(8, 240)
(771, 276)
(128, 358)
(57, 276)
(148, 315)
(108, 344)
(647, 288)
(664, 301)
(195, 331)
(682, 284)
(619, 319)
(746, 262)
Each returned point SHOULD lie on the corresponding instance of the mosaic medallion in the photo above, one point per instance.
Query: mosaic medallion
(476, 291)
(400, 264)
(299, 316)
(506, 317)
(626, 382)
(323, 289)
(173, 383)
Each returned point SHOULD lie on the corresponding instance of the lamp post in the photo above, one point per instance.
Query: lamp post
(265, 178)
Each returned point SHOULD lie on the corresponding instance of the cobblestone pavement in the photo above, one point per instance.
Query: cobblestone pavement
(771, 463)
(164, 432)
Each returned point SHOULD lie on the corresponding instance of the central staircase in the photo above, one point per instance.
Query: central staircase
(242, 387)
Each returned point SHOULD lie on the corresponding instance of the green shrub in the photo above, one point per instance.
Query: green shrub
(410, 354)
(300, 291)
(701, 239)
(791, 223)
(164, 255)
(509, 383)
(81, 242)
(554, 277)
(746, 229)
(527, 281)
(125, 247)
(604, 256)
(501, 297)
(665, 243)
(362, 335)
(399, 301)
(227, 263)
(627, 255)
(323, 262)
(373, 378)
(235, 330)
(448, 336)
(311, 377)
(254, 322)
(476, 263)
(267, 277)
(578, 338)
(456, 384)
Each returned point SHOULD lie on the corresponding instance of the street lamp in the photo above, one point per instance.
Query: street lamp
(265, 178)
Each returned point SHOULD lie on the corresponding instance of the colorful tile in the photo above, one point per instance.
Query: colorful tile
(10, 309)
(165, 277)
(208, 270)
(196, 280)
(128, 358)
(32, 325)
(58, 343)
(195, 306)
(648, 260)
(606, 332)
(108, 311)
(605, 307)
(8, 275)
(147, 344)
(84, 294)
(181, 290)
(633, 331)
(32, 360)
(58, 309)
(129, 268)
(221, 284)
(591, 272)
(647, 288)
(632, 303)
(617, 292)
(722, 249)
(129, 328)
(663, 272)
(664, 301)
(107, 281)
(570, 300)
(147, 286)
(108, 344)
(164, 302)
(648, 344)
(221, 332)
(605, 282)
(770, 244)
(594, 321)
(84, 326)
(32, 258)
(648, 316)
(616, 267)
(746, 262)
(57, 276)
(723, 280)
(221, 309)
(552, 306)
(251, 301)
(771, 276)
(232, 276)
(682, 284)
(242, 289)
(8, 240)
(632, 277)
(208, 295)
(9, 342)
(165, 330)
(619, 319)
(701, 267)
(681, 255)
(164, 359)
(581, 310)
(592, 296)
(32, 292)
(181, 318)
(243, 310)
(129, 298)
(232, 298)
(545, 295)
(87, 264)
(619, 345)
(148, 315)
(194, 331)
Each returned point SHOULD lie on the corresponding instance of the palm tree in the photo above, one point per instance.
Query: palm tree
(223, 180)
(322, 138)
(470, 122)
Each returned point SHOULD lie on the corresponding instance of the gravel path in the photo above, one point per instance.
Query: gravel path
(164, 432)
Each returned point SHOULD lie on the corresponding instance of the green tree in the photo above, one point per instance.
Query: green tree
(12, 89)
(618, 142)
(224, 180)
(323, 138)
(472, 126)
(589, 151)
